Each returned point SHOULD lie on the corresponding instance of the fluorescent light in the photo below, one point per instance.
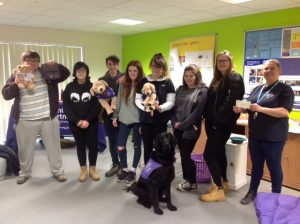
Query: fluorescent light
(127, 22)
(1, 3)
(235, 1)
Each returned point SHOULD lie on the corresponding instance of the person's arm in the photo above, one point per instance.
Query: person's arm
(68, 111)
(196, 116)
(169, 104)
(170, 98)
(273, 112)
(139, 100)
(95, 109)
(116, 112)
(10, 90)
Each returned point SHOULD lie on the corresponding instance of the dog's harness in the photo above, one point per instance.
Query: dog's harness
(107, 94)
(149, 168)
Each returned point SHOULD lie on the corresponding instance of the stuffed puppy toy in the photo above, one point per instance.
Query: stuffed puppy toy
(104, 93)
(28, 76)
(150, 101)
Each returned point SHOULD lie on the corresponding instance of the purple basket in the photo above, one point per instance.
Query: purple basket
(202, 171)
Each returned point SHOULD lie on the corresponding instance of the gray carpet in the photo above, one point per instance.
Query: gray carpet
(43, 200)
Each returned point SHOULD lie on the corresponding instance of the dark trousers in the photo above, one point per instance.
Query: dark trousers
(271, 152)
(186, 147)
(124, 131)
(214, 153)
(149, 133)
(86, 138)
(112, 134)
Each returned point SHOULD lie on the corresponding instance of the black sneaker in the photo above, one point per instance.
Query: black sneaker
(113, 170)
(121, 175)
(130, 177)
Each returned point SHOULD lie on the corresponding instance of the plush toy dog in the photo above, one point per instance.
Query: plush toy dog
(104, 93)
(150, 101)
(28, 76)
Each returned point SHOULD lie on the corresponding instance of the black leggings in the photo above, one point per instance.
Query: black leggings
(214, 154)
(86, 138)
(186, 147)
(149, 133)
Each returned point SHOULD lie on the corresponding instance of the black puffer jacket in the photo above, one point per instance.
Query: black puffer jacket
(220, 102)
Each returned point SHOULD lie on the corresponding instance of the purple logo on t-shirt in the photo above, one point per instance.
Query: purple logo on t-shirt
(149, 168)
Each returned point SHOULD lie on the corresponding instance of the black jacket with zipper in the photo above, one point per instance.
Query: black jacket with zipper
(220, 102)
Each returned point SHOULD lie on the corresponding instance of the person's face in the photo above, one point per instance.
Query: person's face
(32, 62)
(189, 78)
(156, 71)
(271, 72)
(112, 67)
(81, 75)
(223, 63)
(133, 73)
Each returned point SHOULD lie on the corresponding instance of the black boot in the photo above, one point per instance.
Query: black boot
(250, 196)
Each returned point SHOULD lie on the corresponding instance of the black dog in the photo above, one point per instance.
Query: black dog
(155, 181)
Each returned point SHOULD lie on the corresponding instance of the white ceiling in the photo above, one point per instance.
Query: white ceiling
(94, 15)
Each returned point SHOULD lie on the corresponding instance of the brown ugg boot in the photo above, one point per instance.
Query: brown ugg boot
(83, 174)
(93, 173)
(214, 196)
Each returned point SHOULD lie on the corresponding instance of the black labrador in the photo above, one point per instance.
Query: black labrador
(155, 181)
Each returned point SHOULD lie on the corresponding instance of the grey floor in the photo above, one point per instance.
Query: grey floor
(43, 200)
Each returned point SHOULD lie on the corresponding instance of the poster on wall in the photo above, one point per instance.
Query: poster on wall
(280, 44)
(194, 50)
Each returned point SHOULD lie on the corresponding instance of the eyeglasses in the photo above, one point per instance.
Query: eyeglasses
(222, 61)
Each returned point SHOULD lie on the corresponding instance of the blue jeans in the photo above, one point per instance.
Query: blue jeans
(124, 131)
(270, 152)
(112, 133)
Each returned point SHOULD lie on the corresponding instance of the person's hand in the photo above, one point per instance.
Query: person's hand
(157, 106)
(85, 124)
(237, 109)
(79, 123)
(115, 123)
(177, 125)
(19, 78)
(255, 107)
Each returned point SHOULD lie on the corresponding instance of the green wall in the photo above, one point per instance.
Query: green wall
(230, 36)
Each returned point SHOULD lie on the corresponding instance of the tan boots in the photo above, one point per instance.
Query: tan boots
(93, 173)
(214, 187)
(214, 195)
(83, 174)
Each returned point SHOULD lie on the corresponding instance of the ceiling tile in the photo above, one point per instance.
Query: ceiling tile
(94, 15)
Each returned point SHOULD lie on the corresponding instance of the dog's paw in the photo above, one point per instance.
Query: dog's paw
(158, 211)
(172, 207)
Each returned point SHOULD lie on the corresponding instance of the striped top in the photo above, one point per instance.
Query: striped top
(34, 104)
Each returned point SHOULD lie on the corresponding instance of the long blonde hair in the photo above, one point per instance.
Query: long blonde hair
(218, 77)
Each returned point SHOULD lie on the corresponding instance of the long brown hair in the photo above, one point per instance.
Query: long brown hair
(198, 76)
(218, 77)
(127, 82)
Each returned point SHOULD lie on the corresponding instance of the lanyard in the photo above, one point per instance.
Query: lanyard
(259, 98)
